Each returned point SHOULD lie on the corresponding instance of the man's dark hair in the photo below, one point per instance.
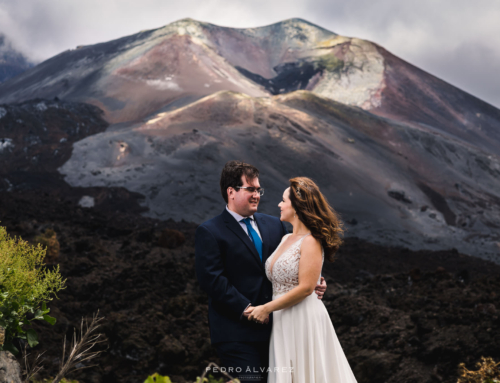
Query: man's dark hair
(231, 175)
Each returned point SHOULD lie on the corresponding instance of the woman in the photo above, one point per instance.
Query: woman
(304, 347)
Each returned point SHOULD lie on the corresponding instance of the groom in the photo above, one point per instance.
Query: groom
(231, 251)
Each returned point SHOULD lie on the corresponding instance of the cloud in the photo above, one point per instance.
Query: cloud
(454, 40)
(471, 66)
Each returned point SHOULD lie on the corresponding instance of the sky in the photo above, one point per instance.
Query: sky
(455, 40)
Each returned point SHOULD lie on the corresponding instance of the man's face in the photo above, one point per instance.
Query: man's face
(242, 201)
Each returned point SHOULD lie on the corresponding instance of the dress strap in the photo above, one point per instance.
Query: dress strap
(299, 242)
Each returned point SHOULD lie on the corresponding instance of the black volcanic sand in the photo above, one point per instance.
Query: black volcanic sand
(401, 316)
(41, 134)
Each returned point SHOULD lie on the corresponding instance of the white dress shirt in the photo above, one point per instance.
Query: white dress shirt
(238, 218)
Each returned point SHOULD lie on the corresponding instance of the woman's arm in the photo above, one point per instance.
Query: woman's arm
(250, 308)
(310, 264)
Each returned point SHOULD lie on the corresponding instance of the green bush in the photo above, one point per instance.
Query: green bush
(157, 378)
(211, 379)
(26, 285)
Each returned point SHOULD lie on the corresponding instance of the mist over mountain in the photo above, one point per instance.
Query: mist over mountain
(406, 158)
(12, 62)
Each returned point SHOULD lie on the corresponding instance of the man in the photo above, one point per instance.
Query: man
(231, 251)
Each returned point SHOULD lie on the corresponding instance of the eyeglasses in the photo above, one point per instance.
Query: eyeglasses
(252, 190)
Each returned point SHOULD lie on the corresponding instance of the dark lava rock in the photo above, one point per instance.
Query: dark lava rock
(290, 76)
(375, 366)
(171, 350)
(394, 323)
(171, 239)
(41, 134)
(399, 195)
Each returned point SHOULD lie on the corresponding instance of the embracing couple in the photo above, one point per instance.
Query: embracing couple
(265, 322)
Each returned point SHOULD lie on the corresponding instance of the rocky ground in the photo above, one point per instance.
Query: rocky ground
(401, 316)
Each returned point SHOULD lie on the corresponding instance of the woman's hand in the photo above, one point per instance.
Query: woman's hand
(321, 288)
(259, 314)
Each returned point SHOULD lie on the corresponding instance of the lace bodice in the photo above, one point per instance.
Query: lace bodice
(285, 271)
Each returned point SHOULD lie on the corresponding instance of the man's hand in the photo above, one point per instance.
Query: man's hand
(321, 288)
(249, 311)
(259, 314)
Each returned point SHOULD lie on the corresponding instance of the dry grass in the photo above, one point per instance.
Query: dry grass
(81, 348)
(489, 372)
(31, 370)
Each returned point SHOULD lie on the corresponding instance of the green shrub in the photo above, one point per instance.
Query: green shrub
(211, 379)
(157, 378)
(26, 285)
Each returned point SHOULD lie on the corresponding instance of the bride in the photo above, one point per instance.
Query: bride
(304, 347)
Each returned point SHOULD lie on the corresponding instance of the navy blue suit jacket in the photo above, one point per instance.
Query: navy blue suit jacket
(229, 270)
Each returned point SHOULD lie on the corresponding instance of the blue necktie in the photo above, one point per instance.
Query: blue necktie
(254, 236)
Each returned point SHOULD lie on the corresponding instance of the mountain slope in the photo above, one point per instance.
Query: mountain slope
(134, 76)
(405, 157)
(392, 182)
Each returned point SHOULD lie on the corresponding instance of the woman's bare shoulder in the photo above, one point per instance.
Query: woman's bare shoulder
(310, 243)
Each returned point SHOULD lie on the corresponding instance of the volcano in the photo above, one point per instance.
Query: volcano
(405, 158)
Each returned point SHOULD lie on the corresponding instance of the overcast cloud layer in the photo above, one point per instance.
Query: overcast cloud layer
(456, 40)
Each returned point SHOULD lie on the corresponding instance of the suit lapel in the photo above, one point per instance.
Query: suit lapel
(236, 228)
(264, 233)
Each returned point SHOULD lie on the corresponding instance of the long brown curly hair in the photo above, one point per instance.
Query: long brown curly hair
(316, 214)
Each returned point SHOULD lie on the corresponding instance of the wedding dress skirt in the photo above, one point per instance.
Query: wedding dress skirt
(304, 347)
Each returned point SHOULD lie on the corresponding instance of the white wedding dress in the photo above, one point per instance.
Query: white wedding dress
(304, 347)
